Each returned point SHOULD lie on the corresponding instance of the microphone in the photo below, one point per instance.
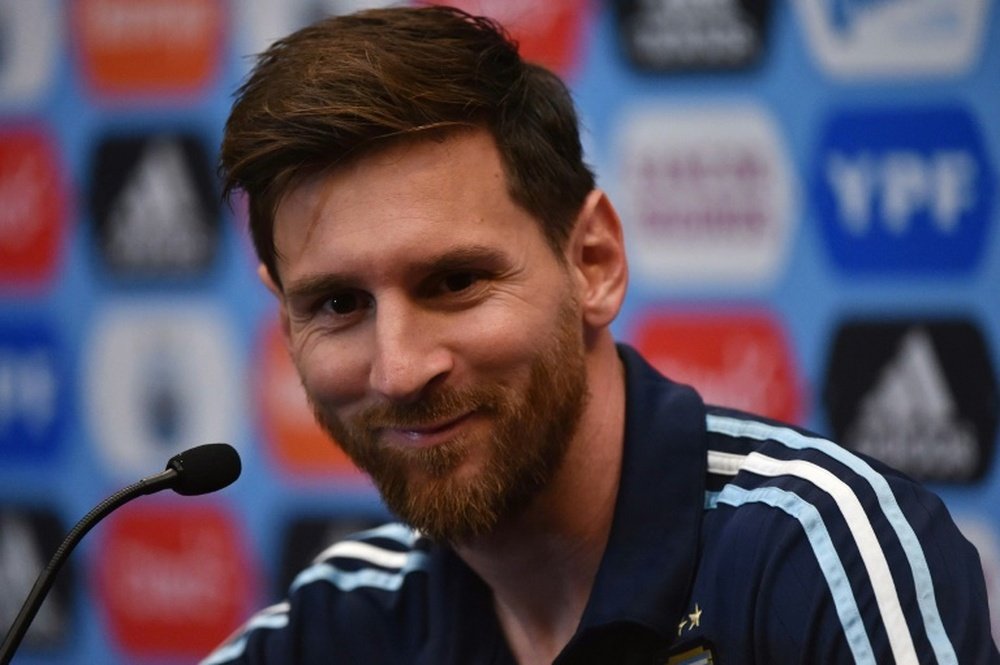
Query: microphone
(203, 469)
(200, 470)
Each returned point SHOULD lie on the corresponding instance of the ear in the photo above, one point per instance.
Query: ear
(265, 277)
(597, 257)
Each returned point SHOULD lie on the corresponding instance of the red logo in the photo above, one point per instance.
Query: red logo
(549, 33)
(32, 206)
(173, 580)
(149, 46)
(288, 423)
(737, 360)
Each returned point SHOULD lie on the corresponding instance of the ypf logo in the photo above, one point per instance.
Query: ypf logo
(739, 360)
(130, 47)
(903, 190)
(920, 395)
(33, 393)
(168, 570)
(852, 38)
(707, 194)
(154, 205)
(32, 206)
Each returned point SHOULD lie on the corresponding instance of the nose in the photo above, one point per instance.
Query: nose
(409, 355)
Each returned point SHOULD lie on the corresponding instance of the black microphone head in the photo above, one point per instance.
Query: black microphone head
(205, 468)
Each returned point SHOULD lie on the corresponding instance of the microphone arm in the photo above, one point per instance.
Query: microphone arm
(211, 467)
(160, 481)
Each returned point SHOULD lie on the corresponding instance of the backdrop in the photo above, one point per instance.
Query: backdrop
(809, 190)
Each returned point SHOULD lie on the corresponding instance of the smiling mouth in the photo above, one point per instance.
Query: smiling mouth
(425, 435)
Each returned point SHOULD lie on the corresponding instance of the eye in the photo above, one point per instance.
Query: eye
(459, 281)
(344, 304)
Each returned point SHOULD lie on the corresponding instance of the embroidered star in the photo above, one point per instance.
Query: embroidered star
(695, 617)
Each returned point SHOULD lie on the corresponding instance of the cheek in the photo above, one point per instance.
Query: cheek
(332, 372)
(509, 339)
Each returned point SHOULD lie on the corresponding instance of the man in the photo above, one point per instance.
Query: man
(446, 273)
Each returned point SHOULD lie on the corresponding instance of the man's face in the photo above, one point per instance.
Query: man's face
(436, 333)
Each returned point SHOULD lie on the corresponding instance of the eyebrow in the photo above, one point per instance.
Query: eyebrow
(459, 258)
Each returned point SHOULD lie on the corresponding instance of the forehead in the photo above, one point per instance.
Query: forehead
(407, 198)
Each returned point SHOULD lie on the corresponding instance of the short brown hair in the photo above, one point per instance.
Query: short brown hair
(347, 85)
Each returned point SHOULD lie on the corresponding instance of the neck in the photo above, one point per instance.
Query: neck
(541, 563)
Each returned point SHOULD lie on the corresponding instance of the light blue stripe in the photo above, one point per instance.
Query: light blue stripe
(366, 577)
(227, 653)
(826, 556)
(926, 599)
(401, 533)
(272, 621)
(234, 650)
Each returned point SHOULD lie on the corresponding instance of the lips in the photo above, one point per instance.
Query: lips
(425, 435)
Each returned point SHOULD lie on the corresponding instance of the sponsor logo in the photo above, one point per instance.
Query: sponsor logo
(904, 191)
(664, 35)
(130, 47)
(292, 435)
(28, 536)
(707, 193)
(167, 571)
(32, 206)
(737, 360)
(30, 35)
(154, 206)
(33, 393)
(918, 395)
(160, 379)
(854, 38)
(306, 537)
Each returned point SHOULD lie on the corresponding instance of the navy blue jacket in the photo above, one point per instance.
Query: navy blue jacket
(735, 540)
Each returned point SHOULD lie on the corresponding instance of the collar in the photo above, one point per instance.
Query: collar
(644, 579)
(649, 563)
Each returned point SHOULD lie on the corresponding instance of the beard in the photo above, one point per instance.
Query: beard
(524, 448)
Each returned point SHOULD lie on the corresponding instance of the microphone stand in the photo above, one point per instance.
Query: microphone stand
(33, 602)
